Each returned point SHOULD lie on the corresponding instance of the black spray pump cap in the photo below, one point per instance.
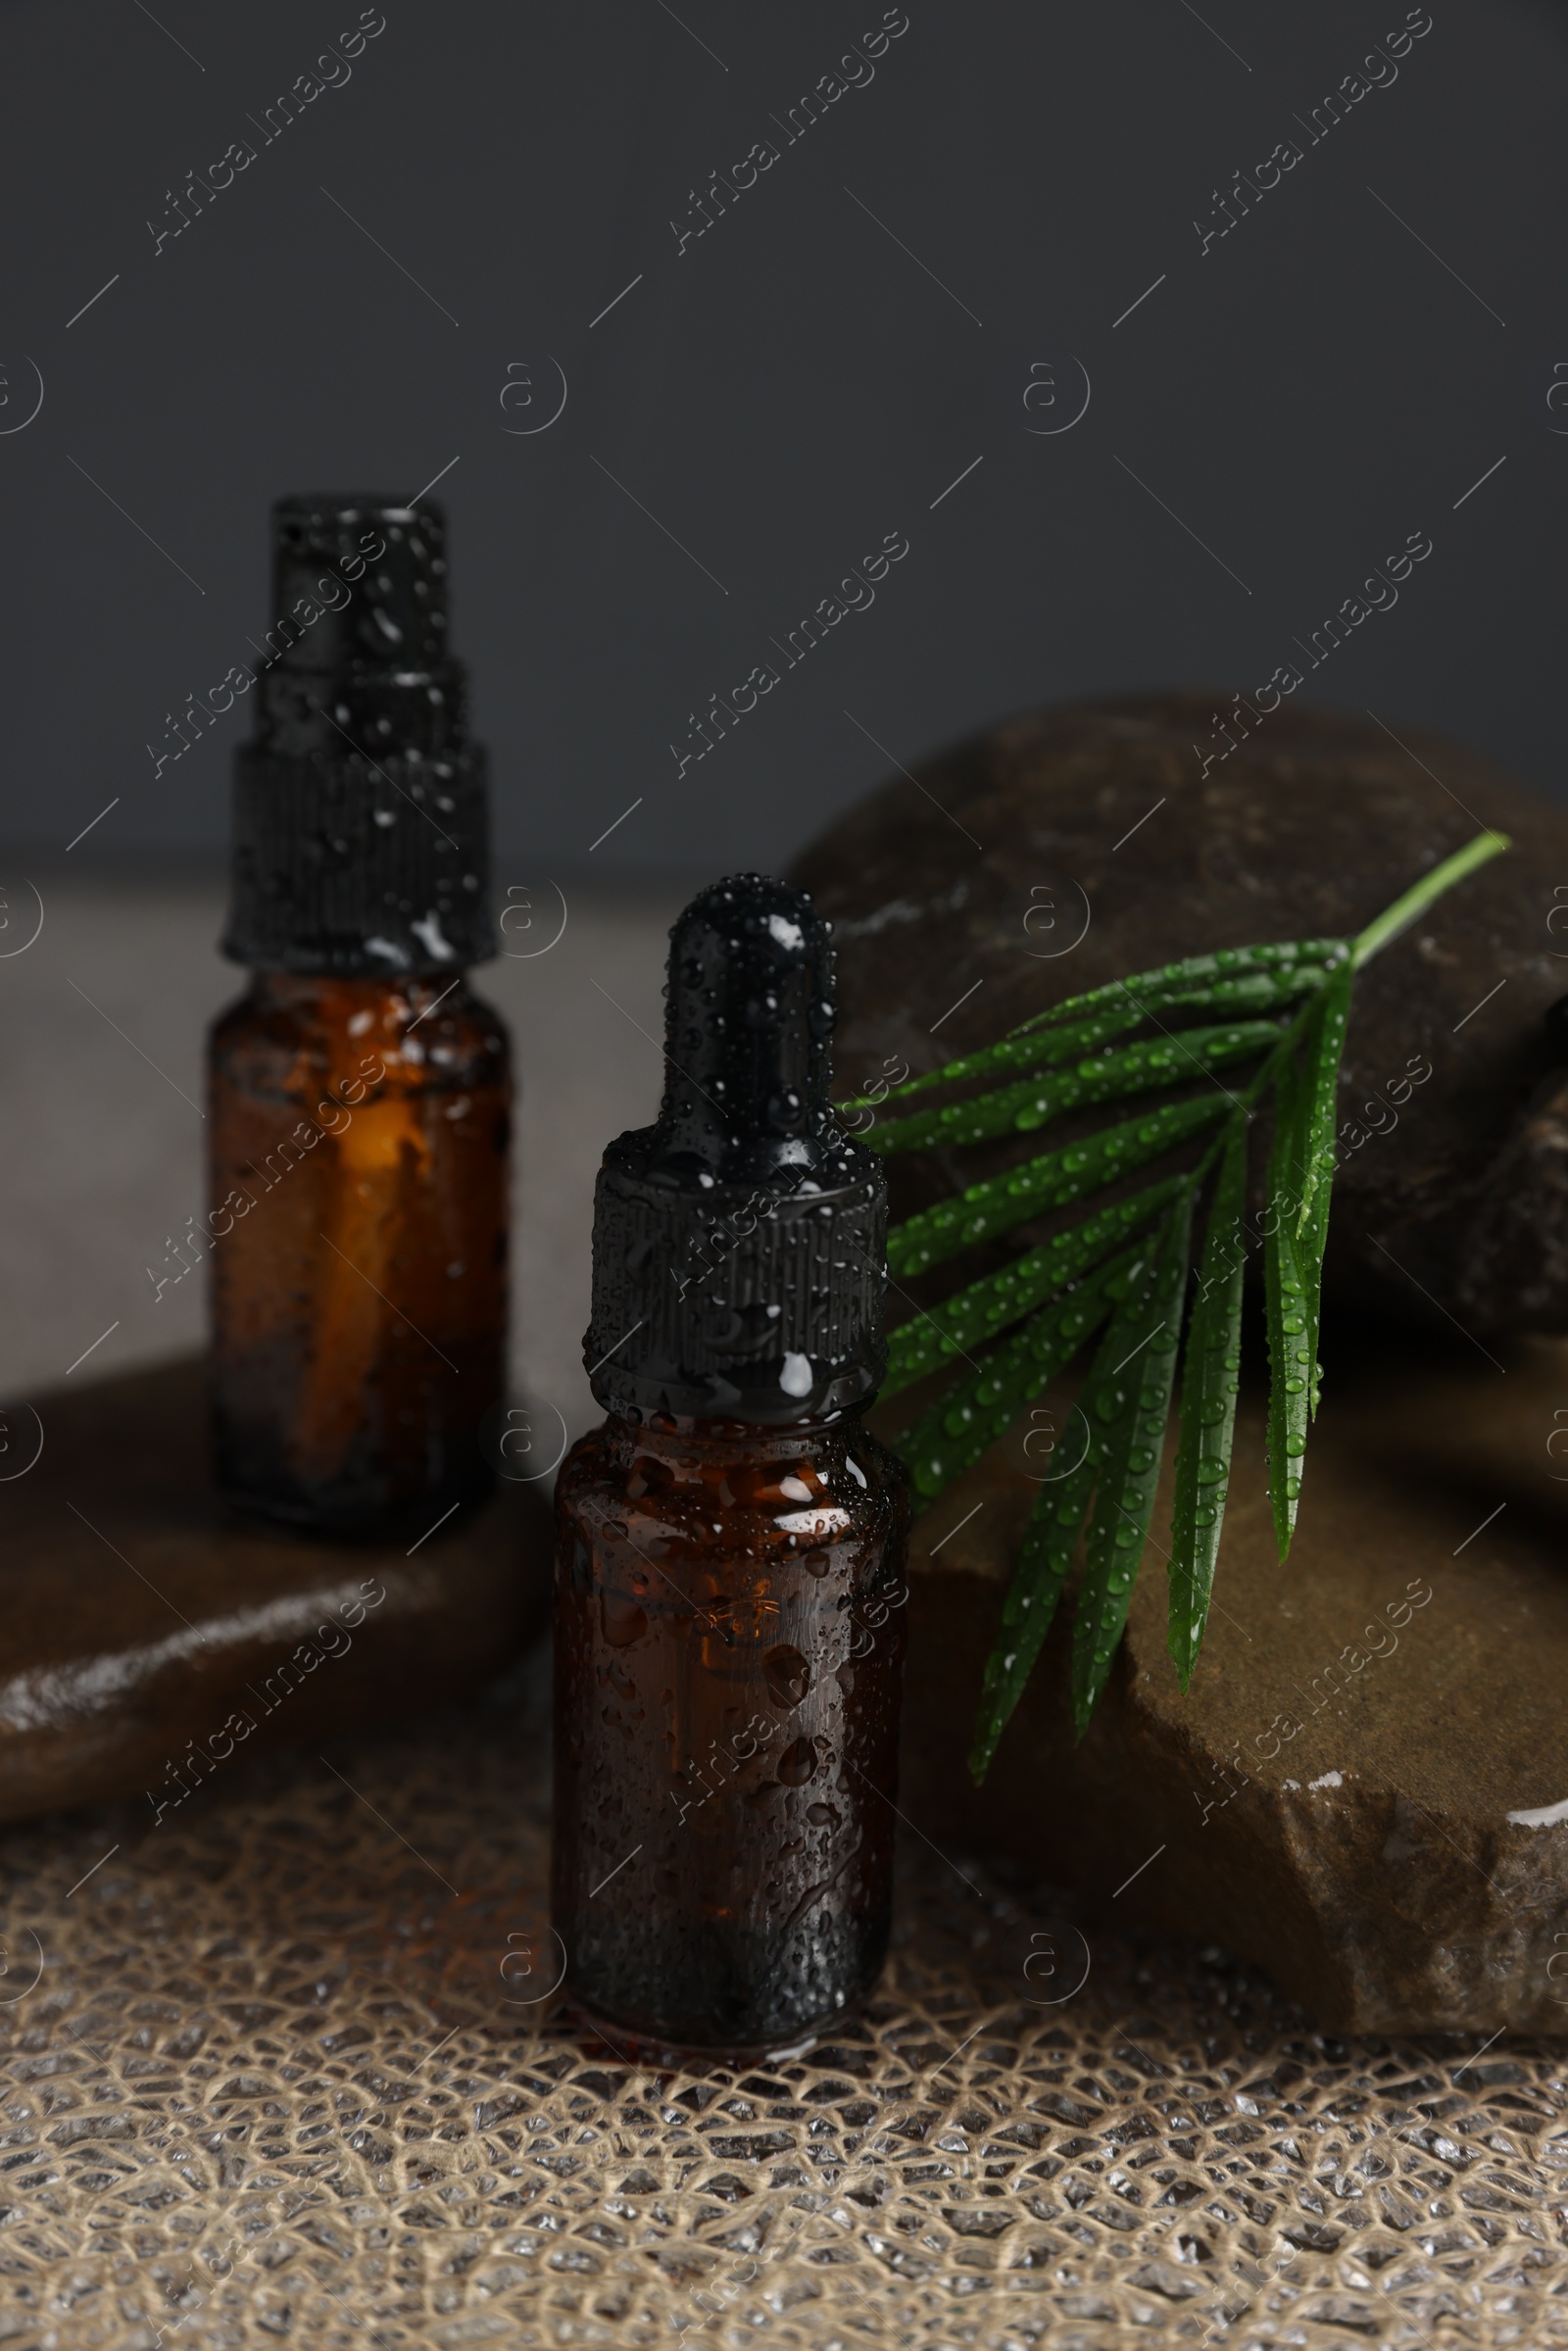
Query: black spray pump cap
(740, 1243)
(361, 818)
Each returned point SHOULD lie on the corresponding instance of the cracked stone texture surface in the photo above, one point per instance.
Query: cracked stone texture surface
(259, 2083)
(1080, 844)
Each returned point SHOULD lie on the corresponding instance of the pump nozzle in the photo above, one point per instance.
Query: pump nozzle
(360, 829)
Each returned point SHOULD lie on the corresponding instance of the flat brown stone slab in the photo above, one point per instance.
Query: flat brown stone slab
(1367, 1787)
(148, 1634)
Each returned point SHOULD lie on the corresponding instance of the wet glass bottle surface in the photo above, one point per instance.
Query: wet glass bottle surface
(730, 1611)
(731, 1544)
(359, 1167)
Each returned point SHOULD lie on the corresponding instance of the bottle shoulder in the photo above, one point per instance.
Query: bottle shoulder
(798, 1489)
(359, 1035)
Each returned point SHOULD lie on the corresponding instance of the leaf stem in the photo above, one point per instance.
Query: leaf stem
(1415, 901)
(1384, 926)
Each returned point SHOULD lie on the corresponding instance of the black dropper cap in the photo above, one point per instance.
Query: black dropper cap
(740, 1243)
(361, 817)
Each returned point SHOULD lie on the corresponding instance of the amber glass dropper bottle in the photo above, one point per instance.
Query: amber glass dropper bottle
(359, 1094)
(729, 1595)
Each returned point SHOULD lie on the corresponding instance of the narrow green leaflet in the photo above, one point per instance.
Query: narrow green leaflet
(1013, 1052)
(1045, 1559)
(1120, 1268)
(1153, 1061)
(1049, 1181)
(1325, 1045)
(1042, 1049)
(1210, 1378)
(1194, 971)
(1289, 1344)
(950, 1436)
(977, 1313)
(1128, 1404)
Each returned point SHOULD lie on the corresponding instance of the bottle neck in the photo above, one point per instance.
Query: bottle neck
(323, 994)
(696, 1445)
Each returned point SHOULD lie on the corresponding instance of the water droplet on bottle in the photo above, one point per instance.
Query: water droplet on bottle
(787, 1675)
(620, 1620)
(797, 1763)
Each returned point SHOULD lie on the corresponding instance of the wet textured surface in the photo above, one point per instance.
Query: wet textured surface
(263, 2094)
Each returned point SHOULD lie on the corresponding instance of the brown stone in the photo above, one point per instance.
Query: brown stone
(144, 1623)
(1341, 1816)
(1314, 823)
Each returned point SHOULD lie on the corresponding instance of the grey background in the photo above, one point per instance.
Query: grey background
(780, 395)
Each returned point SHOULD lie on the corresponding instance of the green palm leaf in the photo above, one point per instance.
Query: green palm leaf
(1194, 972)
(950, 1436)
(1163, 1060)
(1035, 1314)
(1044, 1560)
(1210, 1380)
(1325, 1041)
(977, 1313)
(1043, 1047)
(1036, 1051)
(1290, 1344)
(1049, 1181)
(1128, 1404)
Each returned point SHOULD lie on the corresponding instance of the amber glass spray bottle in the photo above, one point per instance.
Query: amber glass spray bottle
(359, 1094)
(729, 1627)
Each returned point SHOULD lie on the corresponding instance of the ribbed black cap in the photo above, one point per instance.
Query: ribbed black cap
(360, 814)
(740, 1243)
